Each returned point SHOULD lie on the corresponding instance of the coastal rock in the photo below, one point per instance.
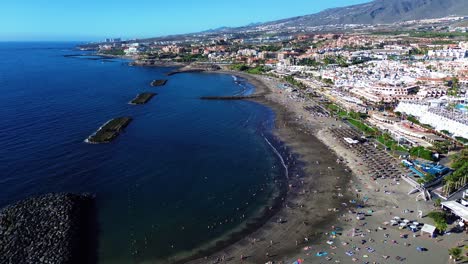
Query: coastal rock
(197, 67)
(54, 228)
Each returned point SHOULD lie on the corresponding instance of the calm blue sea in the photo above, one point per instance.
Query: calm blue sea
(182, 174)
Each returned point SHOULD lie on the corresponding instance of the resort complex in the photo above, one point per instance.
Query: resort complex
(393, 106)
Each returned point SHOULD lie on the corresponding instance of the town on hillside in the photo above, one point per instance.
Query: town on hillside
(403, 91)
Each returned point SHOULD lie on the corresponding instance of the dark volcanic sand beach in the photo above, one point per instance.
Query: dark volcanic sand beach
(305, 212)
(313, 207)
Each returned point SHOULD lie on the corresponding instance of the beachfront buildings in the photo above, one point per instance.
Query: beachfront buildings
(436, 114)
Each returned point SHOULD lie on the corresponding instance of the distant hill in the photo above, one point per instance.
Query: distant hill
(381, 12)
(371, 13)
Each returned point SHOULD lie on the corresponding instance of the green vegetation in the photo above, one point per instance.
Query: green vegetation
(391, 144)
(459, 177)
(191, 58)
(440, 220)
(239, 67)
(319, 44)
(340, 60)
(353, 118)
(247, 69)
(429, 34)
(462, 140)
(460, 160)
(443, 42)
(333, 107)
(421, 152)
(257, 70)
(422, 51)
(345, 114)
(271, 48)
(337, 110)
(428, 178)
(308, 62)
(293, 82)
(460, 166)
(454, 86)
(328, 81)
(114, 52)
(442, 147)
(413, 119)
(446, 132)
(357, 115)
(455, 253)
(361, 126)
(424, 34)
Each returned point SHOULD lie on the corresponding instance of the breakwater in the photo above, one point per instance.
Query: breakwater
(158, 82)
(194, 68)
(174, 135)
(54, 228)
(186, 71)
(240, 97)
(142, 98)
(109, 131)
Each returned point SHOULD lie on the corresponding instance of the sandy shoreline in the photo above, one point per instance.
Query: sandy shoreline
(325, 177)
(321, 200)
(311, 199)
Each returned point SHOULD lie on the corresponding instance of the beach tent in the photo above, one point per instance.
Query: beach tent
(430, 229)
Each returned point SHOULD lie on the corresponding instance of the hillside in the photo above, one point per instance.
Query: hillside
(381, 12)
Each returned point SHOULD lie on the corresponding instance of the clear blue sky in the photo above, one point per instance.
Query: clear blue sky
(96, 19)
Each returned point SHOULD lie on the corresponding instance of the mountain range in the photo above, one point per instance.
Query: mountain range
(374, 12)
(382, 12)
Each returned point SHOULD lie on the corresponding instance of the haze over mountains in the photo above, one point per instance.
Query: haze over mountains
(382, 12)
(375, 12)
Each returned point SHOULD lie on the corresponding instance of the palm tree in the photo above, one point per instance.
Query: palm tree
(455, 253)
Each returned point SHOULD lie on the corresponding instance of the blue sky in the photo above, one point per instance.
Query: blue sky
(96, 19)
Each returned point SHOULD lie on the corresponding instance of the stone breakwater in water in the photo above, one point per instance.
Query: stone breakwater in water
(54, 228)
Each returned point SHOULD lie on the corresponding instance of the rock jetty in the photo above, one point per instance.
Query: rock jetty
(109, 131)
(158, 82)
(207, 67)
(142, 98)
(234, 97)
(54, 228)
(156, 63)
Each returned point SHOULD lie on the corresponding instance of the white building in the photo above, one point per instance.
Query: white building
(448, 53)
(440, 118)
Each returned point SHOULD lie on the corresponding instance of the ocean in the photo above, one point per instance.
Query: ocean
(184, 173)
